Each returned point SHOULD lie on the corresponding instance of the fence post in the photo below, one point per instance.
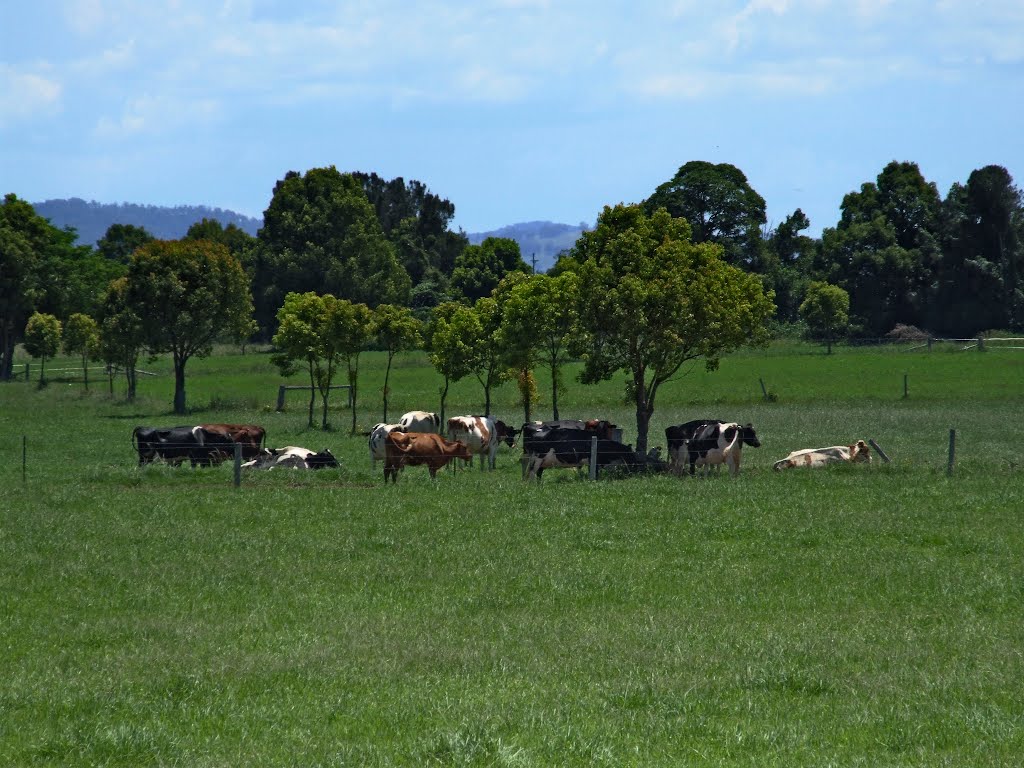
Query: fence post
(238, 465)
(280, 398)
(929, 343)
(764, 391)
(26, 371)
(952, 451)
(593, 458)
(981, 343)
(904, 386)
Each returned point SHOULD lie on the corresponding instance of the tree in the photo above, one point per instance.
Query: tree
(42, 340)
(450, 334)
(396, 330)
(349, 330)
(479, 268)
(320, 233)
(120, 242)
(488, 359)
(540, 318)
(81, 337)
(653, 300)
(299, 338)
(187, 293)
(720, 206)
(18, 282)
(122, 335)
(825, 309)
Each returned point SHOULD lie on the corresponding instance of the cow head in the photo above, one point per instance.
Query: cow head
(505, 433)
(749, 437)
(321, 460)
(859, 451)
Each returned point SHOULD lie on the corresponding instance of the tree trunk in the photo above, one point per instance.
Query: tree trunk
(644, 410)
(554, 390)
(179, 384)
(387, 375)
(110, 378)
(6, 350)
(85, 371)
(312, 395)
(487, 401)
(444, 396)
(353, 380)
(131, 376)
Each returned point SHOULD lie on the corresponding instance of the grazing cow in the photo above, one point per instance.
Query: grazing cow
(688, 442)
(293, 457)
(175, 444)
(718, 444)
(420, 421)
(600, 427)
(418, 448)
(249, 436)
(819, 457)
(482, 435)
(377, 442)
(560, 447)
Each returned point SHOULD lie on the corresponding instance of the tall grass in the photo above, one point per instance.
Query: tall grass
(854, 616)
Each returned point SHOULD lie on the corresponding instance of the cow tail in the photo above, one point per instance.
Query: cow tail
(135, 440)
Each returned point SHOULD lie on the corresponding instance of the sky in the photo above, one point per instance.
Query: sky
(514, 110)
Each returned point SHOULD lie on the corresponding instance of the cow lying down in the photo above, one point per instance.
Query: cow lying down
(819, 457)
(292, 457)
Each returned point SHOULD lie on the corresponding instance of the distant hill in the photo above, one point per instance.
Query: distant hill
(91, 219)
(544, 240)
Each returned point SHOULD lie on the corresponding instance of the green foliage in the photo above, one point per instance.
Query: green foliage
(479, 268)
(652, 301)
(396, 330)
(121, 240)
(187, 294)
(42, 339)
(320, 233)
(81, 337)
(720, 206)
(825, 309)
(122, 334)
(299, 339)
(452, 335)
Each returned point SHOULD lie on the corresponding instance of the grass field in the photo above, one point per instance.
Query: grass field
(853, 616)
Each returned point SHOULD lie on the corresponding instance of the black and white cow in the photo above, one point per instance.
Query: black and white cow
(689, 442)
(176, 444)
(420, 421)
(719, 444)
(559, 447)
(292, 457)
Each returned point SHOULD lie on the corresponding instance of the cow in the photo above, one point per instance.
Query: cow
(482, 435)
(688, 442)
(419, 448)
(722, 443)
(420, 421)
(819, 457)
(249, 436)
(376, 441)
(600, 427)
(176, 444)
(561, 447)
(293, 457)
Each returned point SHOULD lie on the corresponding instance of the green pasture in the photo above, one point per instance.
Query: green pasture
(852, 616)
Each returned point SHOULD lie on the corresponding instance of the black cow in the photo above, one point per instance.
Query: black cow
(600, 427)
(175, 444)
(561, 447)
(698, 437)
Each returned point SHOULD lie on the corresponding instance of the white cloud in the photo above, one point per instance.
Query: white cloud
(24, 95)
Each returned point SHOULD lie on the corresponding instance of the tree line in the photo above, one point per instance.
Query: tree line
(344, 262)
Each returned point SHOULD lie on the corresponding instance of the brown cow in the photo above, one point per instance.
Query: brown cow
(417, 448)
(250, 436)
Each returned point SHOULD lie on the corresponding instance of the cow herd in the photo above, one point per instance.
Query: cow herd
(415, 440)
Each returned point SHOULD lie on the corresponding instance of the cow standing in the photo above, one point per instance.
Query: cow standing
(544, 448)
(420, 421)
(250, 436)
(420, 448)
(726, 444)
(482, 435)
(176, 444)
(377, 442)
(688, 443)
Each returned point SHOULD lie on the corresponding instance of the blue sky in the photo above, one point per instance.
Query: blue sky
(515, 110)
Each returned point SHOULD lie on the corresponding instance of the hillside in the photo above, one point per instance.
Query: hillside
(542, 240)
(91, 219)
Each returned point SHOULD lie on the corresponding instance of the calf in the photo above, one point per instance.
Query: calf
(420, 448)
(819, 457)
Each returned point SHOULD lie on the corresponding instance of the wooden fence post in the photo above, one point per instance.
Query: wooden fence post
(280, 398)
(238, 465)
(904, 386)
(593, 458)
(929, 343)
(764, 391)
(952, 451)
(981, 343)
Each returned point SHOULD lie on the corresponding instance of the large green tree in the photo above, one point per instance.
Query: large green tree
(187, 293)
(120, 241)
(653, 300)
(451, 336)
(720, 206)
(349, 331)
(320, 233)
(299, 341)
(539, 321)
(122, 335)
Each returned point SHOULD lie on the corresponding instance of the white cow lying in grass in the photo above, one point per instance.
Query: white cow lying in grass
(292, 457)
(819, 457)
